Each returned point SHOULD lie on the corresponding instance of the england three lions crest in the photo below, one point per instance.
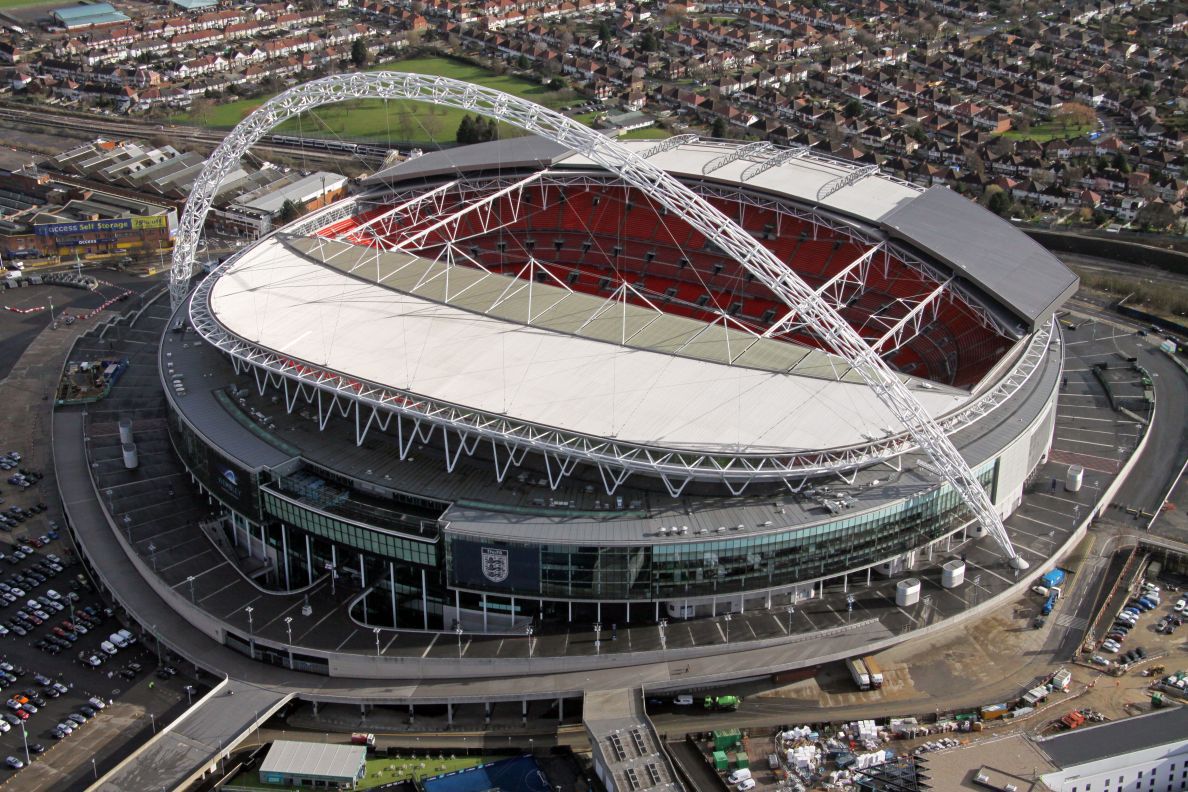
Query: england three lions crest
(495, 564)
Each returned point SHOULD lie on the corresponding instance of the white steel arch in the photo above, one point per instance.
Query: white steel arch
(633, 169)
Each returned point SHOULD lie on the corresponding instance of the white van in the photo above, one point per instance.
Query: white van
(118, 640)
(739, 775)
(746, 784)
(128, 637)
(108, 648)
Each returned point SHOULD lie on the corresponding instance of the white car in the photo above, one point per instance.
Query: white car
(1181, 604)
(108, 647)
(683, 700)
(1110, 646)
(96, 702)
(67, 727)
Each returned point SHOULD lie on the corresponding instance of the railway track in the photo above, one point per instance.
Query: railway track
(315, 150)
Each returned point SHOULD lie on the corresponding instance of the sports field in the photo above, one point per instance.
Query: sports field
(647, 133)
(378, 120)
(8, 4)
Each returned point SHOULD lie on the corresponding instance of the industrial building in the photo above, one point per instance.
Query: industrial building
(291, 763)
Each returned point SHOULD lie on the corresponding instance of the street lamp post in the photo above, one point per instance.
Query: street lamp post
(289, 630)
(189, 695)
(128, 526)
(251, 631)
(153, 721)
(152, 548)
(791, 610)
(529, 630)
(727, 619)
(190, 579)
(25, 741)
(376, 630)
(458, 632)
(598, 638)
(663, 625)
(849, 606)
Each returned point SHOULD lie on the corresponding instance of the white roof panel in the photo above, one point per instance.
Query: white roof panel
(309, 311)
(869, 199)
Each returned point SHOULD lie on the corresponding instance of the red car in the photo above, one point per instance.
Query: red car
(21, 714)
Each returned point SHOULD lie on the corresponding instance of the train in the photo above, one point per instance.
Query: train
(323, 144)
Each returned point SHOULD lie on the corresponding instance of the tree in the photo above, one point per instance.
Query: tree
(466, 133)
(359, 53)
(999, 201)
(605, 33)
(718, 130)
(1155, 216)
(289, 212)
(853, 109)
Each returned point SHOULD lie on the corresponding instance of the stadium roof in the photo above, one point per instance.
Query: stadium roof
(1003, 261)
(978, 245)
(510, 154)
(314, 760)
(1102, 740)
(286, 301)
(86, 15)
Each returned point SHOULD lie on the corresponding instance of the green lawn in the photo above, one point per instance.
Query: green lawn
(29, 3)
(647, 133)
(396, 120)
(1051, 130)
(380, 771)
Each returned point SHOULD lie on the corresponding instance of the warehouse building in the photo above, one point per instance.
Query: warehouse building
(316, 765)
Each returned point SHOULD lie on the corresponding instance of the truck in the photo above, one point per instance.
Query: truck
(1053, 578)
(1049, 604)
(362, 738)
(722, 703)
(859, 673)
(876, 673)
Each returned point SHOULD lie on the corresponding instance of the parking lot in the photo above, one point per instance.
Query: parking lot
(61, 667)
(50, 688)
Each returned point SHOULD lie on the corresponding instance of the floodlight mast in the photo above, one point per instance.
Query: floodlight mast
(633, 169)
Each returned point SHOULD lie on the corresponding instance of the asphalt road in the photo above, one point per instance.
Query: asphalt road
(17, 330)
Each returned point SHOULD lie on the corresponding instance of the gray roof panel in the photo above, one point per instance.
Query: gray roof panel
(985, 250)
(1100, 741)
(515, 153)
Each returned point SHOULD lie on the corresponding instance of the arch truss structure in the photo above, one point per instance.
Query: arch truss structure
(660, 186)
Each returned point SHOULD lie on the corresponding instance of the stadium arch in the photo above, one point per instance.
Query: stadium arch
(635, 170)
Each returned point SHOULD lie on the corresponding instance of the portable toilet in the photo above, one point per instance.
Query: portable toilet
(1074, 478)
(907, 592)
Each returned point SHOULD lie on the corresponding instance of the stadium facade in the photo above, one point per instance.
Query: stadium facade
(503, 387)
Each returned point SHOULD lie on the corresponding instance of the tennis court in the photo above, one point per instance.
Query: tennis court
(517, 774)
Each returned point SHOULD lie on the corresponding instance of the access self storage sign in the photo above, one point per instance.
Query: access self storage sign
(100, 226)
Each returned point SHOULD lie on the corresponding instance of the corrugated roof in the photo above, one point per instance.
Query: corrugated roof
(94, 14)
(323, 760)
(1093, 743)
(986, 250)
(516, 153)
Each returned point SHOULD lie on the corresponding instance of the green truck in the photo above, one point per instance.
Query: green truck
(722, 703)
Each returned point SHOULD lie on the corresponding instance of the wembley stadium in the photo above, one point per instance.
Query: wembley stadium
(505, 385)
